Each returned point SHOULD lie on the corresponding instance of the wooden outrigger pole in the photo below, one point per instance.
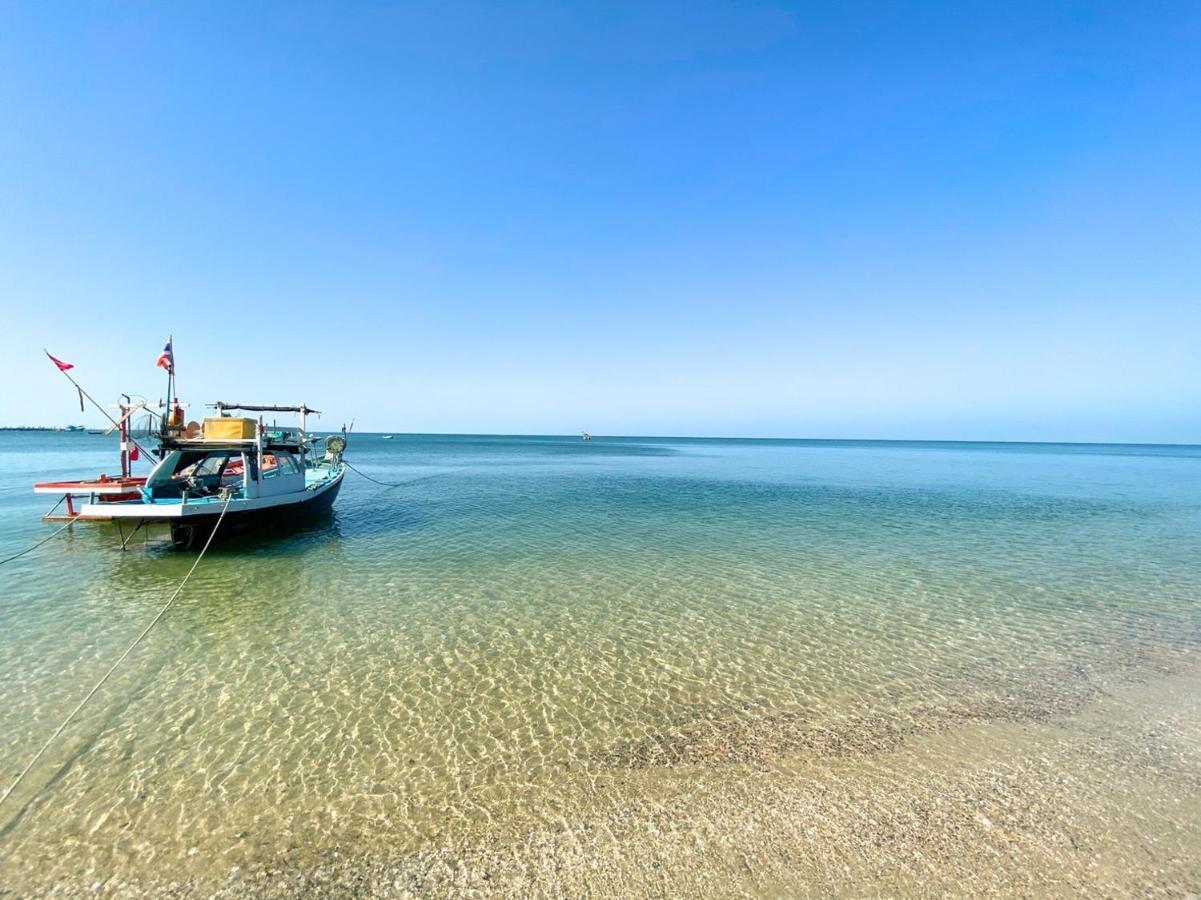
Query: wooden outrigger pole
(104, 488)
(92, 400)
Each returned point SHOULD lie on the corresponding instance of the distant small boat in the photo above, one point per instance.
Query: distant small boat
(585, 436)
(387, 437)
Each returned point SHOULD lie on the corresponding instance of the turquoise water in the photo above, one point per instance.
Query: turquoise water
(492, 642)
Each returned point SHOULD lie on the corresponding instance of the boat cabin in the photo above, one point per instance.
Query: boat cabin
(232, 454)
(261, 476)
(203, 472)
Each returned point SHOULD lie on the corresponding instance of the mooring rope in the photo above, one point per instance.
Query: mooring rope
(56, 533)
(121, 658)
(376, 480)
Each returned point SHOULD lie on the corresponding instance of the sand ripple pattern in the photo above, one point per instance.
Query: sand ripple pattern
(533, 634)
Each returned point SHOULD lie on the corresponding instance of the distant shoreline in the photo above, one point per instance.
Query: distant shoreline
(74, 429)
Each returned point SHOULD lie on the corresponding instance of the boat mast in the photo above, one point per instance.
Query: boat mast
(171, 373)
(170, 381)
(126, 411)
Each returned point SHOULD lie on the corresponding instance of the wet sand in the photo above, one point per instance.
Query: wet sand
(1090, 785)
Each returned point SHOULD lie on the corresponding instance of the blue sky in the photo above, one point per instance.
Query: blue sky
(944, 220)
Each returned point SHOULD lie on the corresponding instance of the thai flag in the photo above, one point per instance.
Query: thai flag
(166, 359)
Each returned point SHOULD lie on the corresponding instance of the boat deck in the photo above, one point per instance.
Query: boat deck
(100, 486)
(178, 508)
(103, 489)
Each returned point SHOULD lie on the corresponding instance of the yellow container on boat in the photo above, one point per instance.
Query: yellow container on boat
(228, 428)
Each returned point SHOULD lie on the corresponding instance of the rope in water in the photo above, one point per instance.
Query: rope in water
(56, 533)
(376, 480)
(120, 659)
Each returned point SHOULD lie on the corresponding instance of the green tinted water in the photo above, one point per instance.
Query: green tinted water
(525, 619)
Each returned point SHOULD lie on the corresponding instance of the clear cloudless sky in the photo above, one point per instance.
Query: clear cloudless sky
(890, 219)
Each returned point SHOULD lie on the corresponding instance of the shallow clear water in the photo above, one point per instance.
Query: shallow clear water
(523, 619)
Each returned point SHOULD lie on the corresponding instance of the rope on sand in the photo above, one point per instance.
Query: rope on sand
(121, 658)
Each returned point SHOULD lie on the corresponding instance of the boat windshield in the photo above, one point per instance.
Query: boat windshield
(200, 474)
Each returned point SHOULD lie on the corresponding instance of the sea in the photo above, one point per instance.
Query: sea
(636, 666)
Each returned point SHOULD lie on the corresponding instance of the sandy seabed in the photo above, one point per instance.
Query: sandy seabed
(1092, 787)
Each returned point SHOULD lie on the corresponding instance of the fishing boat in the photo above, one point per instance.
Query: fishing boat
(238, 471)
(235, 471)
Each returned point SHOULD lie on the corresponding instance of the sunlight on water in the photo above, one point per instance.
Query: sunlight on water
(528, 628)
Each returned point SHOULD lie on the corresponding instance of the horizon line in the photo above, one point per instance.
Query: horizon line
(63, 429)
(715, 437)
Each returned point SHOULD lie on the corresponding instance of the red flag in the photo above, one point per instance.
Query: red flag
(62, 366)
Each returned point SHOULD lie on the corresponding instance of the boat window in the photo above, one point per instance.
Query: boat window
(288, 464)
(204, 473)
(186, 464)
(270, 465)
(211, 465)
